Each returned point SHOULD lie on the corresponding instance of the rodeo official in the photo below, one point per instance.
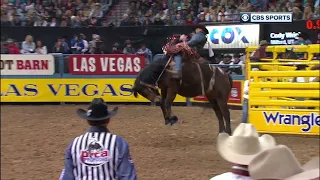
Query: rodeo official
(98, 154)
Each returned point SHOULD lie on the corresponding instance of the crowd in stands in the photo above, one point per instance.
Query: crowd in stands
(188, 12)
(71, 13)
(87, 13)
(78, 45)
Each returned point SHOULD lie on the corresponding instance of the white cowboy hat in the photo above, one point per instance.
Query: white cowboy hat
(280, 163)
(243, 145)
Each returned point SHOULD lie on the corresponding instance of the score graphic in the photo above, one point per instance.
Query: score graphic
(313, 24)
(266, 17)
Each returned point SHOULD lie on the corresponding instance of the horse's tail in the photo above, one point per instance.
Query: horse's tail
(230, 80)
(134, 89)
(135, 93)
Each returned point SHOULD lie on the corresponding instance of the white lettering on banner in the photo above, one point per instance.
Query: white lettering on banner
(27, 64)
(233, 36)
(283, 38)
(106, 64)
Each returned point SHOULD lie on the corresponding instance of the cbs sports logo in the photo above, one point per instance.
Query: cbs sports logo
(266, 17)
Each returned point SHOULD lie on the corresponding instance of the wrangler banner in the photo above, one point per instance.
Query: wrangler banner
(70, 90)
(286, 122)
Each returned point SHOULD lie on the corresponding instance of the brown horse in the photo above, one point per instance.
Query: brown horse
(198, 78)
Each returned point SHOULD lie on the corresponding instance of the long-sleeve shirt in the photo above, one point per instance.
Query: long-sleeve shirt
(27, 47)
(100, 155)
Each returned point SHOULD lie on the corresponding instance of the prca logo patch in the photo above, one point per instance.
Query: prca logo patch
(94, 154)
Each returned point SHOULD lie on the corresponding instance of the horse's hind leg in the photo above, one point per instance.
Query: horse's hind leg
(223, 106)
(171, 95)
(163, 106)
(216, 108)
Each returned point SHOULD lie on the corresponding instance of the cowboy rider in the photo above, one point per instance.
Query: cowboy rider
(197, 41)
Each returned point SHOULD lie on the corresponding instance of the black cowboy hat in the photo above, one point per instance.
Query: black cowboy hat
(203, 27)
(97, 111)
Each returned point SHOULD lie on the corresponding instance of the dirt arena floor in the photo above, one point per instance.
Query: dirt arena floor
(34, 138)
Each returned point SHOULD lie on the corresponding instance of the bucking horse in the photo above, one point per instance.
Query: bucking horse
(198, 78)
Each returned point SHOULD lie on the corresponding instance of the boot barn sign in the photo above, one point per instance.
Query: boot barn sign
(27, 64)
(106, 64)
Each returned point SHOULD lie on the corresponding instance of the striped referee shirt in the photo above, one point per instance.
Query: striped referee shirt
(98, 155)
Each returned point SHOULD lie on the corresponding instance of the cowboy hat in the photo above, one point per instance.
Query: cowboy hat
(203, 27)
(243, 145)
(280, 163)
(97, 111)
(264, 43)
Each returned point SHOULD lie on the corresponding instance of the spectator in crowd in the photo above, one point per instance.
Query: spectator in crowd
(297, 14)
(259, 53)
(158, 21)
(128, 49)
(41, 49)
(28, 46)
(116, 49)
(236, 65)
(240, 149)
(245, 6)
(64, 44)
(227, 61)
(303, 39)
(41, 22)
(16, 21)
(280, 163)
(74, 44)
(83, 44)
(53, 23)
(233, 14)
(146, 52)
(58, 48)
(307, 14)
(11, 47)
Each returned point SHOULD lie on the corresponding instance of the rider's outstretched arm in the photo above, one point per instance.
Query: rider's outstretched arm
(195, 39)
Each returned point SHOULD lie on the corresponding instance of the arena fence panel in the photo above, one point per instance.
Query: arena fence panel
(284, 107)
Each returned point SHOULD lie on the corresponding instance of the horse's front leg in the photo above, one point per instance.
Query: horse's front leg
(171, 95)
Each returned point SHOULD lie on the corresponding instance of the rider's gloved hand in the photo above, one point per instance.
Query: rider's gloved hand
(183, 37)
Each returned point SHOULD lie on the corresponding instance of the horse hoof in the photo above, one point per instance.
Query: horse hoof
(167, 121)
(173, 120)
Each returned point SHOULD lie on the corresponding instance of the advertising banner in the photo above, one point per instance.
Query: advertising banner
(235, 97)
(233, 36)
(70, 90)
(106, 64)
(27, 64)
(286, 121)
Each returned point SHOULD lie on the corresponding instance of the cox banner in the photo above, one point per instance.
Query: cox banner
(106, 64)
(233, 36)
(235, 97)
(27, 64)
(70, 90)
(288, 122)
